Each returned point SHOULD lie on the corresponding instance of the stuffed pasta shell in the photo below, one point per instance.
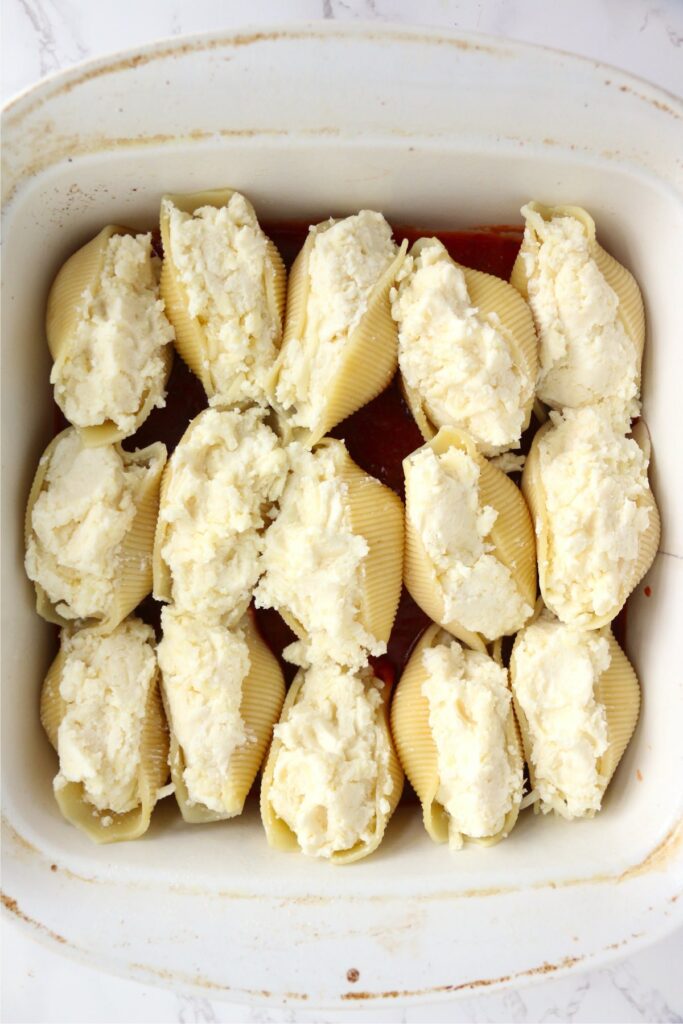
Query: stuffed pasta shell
(470, 554)
(224, 284)
(332, 779)
(217, 497)
(466, 349)
(455, 732)
(101, 709)
(223, 692)
(587, 307)
(597, 524)
(339, 345)
(333, 558)
(577, 699)
(89, 530)
(109, 336)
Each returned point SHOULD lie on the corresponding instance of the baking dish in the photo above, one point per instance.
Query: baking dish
(434, 129)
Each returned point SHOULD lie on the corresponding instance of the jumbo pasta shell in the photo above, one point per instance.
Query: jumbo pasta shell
(617, 689)
(278, 833)
(417, 750)
(263, 693)
(631, 311)
(376, 514)
(512, 539)
(495, 300)
(192, 341)
(81, 273)
(152, 774)
(134, 581)
(369, 358)
(534, 493)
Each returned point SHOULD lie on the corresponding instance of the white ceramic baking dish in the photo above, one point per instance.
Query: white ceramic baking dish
(436, 130)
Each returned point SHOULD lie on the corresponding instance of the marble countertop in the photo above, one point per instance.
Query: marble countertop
(44, 36)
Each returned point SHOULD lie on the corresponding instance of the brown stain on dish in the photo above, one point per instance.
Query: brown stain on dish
(352, 975)
(201, 981)
(657, 104)
(504, 979)
(11, 905)
(245, 39)
(659, 858)
(656, 860)
(14, 116)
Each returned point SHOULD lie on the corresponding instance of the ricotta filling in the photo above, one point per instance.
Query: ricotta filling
(442, 504)
(220, 256)
(585, 353)
(315, 564)
(347, 260)
(78, 524)
(458, 361)
(105, 684)
(556, 670)
(480, 769)
(116, 356)
(204, 667)
(223, 480)
(595, 484)
(331, 777)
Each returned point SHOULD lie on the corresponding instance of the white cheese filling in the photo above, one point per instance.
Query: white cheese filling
(204, 666)
(331, 780)
(556, 669)
(105, 683)
(584, 351)
(595, 484)
(480, 768)
(220, 257)
(115, 358)
(346, 262)
(78, 523)
(223, 479)
(460, 363)
(442, 504)
(314, 562)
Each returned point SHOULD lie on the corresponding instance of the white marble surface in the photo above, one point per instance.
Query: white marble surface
(43, 36)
